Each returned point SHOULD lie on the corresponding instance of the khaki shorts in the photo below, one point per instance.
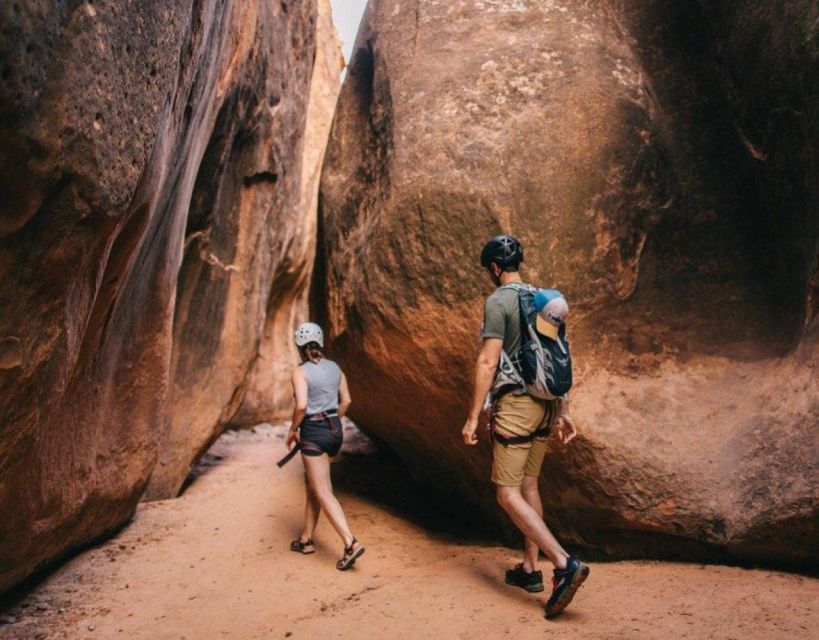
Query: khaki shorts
(518, 416)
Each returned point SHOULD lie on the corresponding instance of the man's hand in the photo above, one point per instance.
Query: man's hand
(566, 430)
(292, 438)
(468, 432)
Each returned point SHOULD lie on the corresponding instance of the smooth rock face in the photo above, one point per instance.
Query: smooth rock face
(269, 393)
(604, 136)
(134, 136)
(246, 241)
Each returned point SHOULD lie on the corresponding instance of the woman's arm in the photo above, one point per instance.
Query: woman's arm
(299, 381)
(344, 400)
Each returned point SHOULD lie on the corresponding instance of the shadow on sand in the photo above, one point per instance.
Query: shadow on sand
(381, 477)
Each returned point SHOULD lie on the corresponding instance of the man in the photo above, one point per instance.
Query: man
(520, 426)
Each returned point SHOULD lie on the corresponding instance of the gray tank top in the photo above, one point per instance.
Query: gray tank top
(323, 380)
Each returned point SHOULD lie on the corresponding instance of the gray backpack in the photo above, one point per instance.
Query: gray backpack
(543, 366)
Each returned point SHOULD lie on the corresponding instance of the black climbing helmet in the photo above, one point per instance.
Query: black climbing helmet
(503, 250)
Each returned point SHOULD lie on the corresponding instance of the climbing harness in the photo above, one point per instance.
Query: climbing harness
(325, 416)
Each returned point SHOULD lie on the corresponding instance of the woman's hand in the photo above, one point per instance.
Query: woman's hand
(566, 430)
(292, 438)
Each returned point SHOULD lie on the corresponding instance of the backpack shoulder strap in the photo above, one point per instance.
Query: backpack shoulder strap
(521, 288)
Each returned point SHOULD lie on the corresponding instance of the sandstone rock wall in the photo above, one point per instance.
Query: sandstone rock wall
(150, 169)
(604, 135)
(245, 235)
(269, 394)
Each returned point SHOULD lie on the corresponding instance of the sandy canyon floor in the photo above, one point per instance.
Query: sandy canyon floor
(215, 564)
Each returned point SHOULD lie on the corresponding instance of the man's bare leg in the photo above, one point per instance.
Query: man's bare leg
(531, 525)
(531, 494)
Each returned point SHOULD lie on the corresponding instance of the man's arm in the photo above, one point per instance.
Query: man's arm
(485, 369)
(299, 404)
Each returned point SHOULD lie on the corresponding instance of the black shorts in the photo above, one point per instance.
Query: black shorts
(321, 436)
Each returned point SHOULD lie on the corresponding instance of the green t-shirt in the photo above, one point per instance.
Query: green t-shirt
(501, 319)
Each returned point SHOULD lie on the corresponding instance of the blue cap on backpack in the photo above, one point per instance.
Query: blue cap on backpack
(552, 311)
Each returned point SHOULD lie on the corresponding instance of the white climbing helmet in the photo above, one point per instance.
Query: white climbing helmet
(309, 332)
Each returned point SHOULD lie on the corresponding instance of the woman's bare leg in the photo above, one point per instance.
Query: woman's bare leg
(317, 469)
(312, 511)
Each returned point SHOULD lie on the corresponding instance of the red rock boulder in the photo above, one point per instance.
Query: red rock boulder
(135, 137)
(605, 136)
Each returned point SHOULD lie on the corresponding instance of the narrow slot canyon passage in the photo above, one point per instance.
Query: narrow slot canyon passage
(214, 563)
(218, 214)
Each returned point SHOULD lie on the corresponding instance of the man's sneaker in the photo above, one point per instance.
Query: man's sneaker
(532, 582)
(564, 584)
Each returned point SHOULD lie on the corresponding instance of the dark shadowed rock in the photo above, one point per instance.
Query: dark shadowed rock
(768, 56)
(604, 135)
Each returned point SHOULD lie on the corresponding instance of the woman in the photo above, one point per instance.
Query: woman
(321, 398)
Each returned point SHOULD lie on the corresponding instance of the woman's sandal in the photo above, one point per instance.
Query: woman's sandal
(350, 556)
(303, 547)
